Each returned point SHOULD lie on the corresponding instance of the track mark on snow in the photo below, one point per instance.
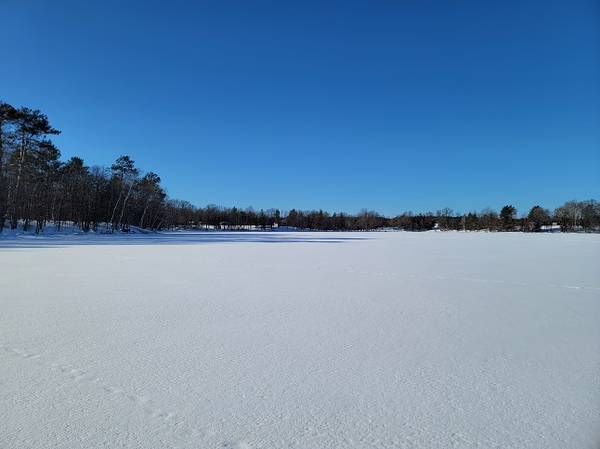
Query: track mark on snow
(19, 352)
(406, 277)
(173, 425)
(236, 445)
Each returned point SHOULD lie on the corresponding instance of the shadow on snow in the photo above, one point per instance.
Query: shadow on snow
(167, 238)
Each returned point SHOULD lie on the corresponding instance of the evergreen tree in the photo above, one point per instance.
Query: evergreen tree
(538, 217)
(507, 217)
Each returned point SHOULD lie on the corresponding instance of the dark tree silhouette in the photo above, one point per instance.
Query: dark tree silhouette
(538, 217)
(507, 217)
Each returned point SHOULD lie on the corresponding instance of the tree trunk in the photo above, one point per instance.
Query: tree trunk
(124, 205)
(144, 213)
(15, 199)
(112, 217)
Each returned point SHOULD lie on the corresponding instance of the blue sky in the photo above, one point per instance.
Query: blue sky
(387, 105)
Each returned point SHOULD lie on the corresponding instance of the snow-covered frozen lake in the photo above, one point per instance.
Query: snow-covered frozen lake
(300, 340)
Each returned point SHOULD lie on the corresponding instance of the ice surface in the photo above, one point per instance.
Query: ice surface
(300, 340)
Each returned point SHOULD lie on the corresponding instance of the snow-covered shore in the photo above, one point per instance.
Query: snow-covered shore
(304, 340)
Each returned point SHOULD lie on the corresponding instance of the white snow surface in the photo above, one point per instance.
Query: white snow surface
(300, 340)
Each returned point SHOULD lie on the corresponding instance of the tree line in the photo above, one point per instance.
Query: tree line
(37, 188)
(571, 217)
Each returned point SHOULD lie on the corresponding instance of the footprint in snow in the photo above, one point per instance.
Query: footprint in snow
(236, 445)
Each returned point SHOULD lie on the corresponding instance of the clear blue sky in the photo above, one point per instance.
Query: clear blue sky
(390, 105)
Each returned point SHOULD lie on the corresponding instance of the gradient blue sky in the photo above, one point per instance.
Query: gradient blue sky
(390, 105)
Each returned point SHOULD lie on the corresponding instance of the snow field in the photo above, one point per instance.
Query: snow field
(300, 340)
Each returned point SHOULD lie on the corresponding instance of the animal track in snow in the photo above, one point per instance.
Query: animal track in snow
(171, 424)
(236, 445)
(19, 352)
